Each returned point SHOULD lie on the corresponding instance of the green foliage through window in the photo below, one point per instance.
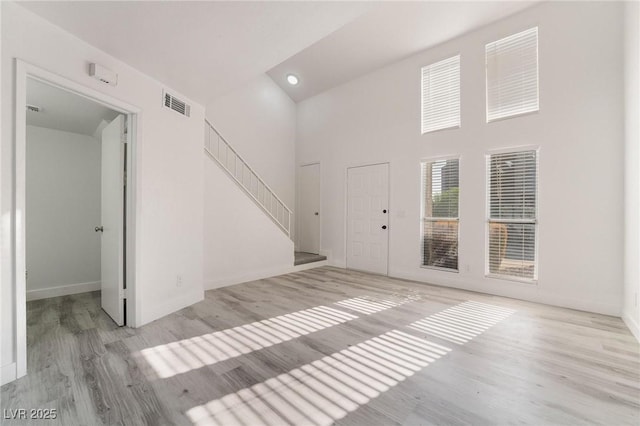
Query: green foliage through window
(445, 204)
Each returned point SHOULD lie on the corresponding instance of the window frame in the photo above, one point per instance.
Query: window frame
(423, 218)
(422, 110)
(489, 220)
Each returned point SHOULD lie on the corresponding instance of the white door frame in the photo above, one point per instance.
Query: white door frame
(24, 71)
(346, 206)
(301, 165)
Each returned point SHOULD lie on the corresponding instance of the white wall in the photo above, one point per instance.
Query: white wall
(241, 243)
(579, 130)
(632, 167)
(169, 165)
(62, 210)
(259, 121)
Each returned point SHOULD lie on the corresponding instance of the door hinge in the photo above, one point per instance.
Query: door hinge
(123, 293)
(125, 178)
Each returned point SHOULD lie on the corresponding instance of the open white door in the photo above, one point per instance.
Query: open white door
(368, 218)
(112, 228)
(309, 209)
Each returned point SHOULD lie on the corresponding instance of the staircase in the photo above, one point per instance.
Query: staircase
(237, 168)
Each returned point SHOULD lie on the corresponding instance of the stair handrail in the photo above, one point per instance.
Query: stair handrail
(284, 225)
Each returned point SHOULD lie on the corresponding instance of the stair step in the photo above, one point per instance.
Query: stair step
(302, 258)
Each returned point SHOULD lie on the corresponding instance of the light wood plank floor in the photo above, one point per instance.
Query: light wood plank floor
(328, 346)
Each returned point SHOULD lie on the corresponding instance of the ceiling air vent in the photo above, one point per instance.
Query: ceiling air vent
(177, 105)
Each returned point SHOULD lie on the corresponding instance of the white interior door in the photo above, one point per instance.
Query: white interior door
(309, 209)
(112, 244)
(368, 218)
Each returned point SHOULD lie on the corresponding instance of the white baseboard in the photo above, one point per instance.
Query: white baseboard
(157, 311)
(244, 277)
(8, 373)
(63, 290)
(259, 275)
(516, 291)
(633, 325)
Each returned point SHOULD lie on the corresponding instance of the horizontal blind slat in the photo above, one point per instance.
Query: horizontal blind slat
(440, 181)
(512, 75)
(512, 179)
(441, 95)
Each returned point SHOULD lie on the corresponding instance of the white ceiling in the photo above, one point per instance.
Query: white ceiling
(206, 49)
(62, 110)
(385, 34)
(202, 49)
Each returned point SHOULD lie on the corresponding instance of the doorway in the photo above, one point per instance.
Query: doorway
(309, 208)
(75, 197)
(368, 218)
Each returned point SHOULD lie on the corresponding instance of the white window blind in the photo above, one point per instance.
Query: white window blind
(441, 95)
(440, 183)
(512, 75)
(512, 225)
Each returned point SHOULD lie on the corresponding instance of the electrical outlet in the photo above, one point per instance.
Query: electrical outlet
(178, 280)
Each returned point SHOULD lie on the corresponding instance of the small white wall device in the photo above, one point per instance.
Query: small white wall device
(103, 74)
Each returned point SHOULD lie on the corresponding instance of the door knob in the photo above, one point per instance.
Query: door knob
(384, 211)
(384, 226)
(316, 213)
(99, 229)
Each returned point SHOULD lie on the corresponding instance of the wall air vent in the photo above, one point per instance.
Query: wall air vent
(177, 105)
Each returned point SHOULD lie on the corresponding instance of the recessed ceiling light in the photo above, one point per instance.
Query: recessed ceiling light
(292, 79)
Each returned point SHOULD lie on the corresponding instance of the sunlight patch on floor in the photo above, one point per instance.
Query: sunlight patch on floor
(185, 355)
(461, 323)
(325, 390)
(328, 389)
(370, 305)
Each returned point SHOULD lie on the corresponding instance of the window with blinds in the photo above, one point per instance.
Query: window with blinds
(441, 95)
(512, 204)
(512, 75)
(440, 182)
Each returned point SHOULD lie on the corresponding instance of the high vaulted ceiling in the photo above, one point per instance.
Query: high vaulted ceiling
(387, 33)
(202, 49)
(206, 49)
